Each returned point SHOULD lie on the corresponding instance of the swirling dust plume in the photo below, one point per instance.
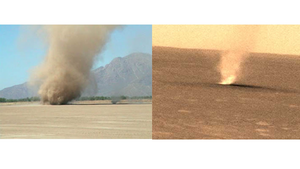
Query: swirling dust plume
(65, 72)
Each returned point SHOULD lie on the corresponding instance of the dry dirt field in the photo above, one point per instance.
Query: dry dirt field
(188, 103)
(78, 120)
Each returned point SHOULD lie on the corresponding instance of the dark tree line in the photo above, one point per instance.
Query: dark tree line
(28, 99)
(33, 99)
(113, 97)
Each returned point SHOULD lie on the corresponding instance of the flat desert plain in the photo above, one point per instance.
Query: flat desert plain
(77, 120)
(188, 103)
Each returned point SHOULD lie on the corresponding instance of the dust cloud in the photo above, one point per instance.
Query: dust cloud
(65, 72)
(240, 44)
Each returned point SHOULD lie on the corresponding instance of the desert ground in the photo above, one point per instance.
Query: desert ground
(77, 120)
(188, 103)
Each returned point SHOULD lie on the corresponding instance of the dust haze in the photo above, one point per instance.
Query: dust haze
(66, 70)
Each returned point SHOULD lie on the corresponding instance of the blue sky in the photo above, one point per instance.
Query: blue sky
(21, 50)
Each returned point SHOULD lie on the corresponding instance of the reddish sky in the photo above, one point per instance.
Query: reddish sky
(283, 39)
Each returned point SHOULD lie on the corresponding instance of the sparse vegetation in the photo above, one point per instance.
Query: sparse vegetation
(110, 98)
(141, 97)
(33, 99)
(93, 98)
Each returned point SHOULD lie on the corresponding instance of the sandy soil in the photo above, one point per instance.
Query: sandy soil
(88, 120)
(188, 103)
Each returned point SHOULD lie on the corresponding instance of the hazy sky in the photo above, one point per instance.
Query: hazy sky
(283, 39)
(21, 49)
